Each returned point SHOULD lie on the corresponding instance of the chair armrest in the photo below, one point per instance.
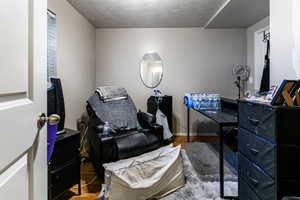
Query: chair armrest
(109, 149)
(158, 130)
(107, 144)
(146, 119)
(107, 139)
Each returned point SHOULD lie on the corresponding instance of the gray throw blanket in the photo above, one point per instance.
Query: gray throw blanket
(116, 108)
(111, 93)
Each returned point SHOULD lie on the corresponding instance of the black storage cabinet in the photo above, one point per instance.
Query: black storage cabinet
(166, 107)
(64, 166)
(269, 151)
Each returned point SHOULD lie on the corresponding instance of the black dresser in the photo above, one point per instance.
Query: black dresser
(269, 151)
(165, 105)
(64, 166)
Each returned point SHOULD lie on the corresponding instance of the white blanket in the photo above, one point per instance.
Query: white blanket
(151, 175)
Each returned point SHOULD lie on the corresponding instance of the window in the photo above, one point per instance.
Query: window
(51, 46)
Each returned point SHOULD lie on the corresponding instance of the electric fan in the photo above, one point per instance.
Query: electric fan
(241, 73)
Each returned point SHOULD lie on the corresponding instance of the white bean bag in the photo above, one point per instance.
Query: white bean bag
(151, 175)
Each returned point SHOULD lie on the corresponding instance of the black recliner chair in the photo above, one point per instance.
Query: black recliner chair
(131, 133)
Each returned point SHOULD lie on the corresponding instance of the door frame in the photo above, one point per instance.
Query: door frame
(38, 152)
(40, 165)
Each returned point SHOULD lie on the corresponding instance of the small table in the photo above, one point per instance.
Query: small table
(64, 166)
(224, 118)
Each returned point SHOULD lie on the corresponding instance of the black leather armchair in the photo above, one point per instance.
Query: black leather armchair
(131, 133)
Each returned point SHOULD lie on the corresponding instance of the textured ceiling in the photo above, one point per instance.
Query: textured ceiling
(148, 13)
(241, 14)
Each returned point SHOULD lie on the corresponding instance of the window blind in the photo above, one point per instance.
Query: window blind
(51, 46)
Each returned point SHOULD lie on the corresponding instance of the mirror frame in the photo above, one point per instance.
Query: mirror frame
(162, 73)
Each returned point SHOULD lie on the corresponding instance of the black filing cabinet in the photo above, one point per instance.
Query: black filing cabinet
(64, 166)
(165, 105)
(269, 151)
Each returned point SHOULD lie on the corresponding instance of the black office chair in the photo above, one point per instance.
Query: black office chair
(131, 133)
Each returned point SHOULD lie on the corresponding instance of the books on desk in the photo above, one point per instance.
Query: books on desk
(288, 93)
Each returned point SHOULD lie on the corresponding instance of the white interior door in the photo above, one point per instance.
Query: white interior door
(259, 56)
(23, 165)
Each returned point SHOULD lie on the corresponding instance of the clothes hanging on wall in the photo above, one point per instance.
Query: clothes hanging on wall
(265, 81)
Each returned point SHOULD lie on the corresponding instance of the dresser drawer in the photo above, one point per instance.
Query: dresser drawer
(65, 177)
(262, 184)
(245, 192)
(257, 150)
(259, 119)
(65, 151)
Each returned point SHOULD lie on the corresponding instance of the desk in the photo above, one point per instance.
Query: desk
(227, 117)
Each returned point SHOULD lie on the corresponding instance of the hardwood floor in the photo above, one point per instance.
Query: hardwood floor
(88, 192)
(181, 140)
(91, 191)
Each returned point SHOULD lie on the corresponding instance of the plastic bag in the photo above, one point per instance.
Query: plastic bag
(162, 120)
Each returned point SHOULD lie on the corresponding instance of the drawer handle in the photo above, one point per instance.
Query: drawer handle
(253, 180)
(252, 150)
(254, 122)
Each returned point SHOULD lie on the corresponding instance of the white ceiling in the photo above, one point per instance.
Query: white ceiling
(148, 13)
(240, 14)
(172, 13)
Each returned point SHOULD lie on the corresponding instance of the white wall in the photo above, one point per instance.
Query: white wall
(194, 60)
(296, 29)
(251, 49)
(76, 39)
(282, 46)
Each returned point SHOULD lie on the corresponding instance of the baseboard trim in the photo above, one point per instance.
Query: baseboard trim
(195, 134)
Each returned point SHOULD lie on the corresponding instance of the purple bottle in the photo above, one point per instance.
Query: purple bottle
(51, 138)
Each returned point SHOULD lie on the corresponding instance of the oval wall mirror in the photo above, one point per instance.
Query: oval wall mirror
(151, 70)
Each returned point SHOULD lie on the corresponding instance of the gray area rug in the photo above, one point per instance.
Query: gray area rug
(205, 160)
(201, 167)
